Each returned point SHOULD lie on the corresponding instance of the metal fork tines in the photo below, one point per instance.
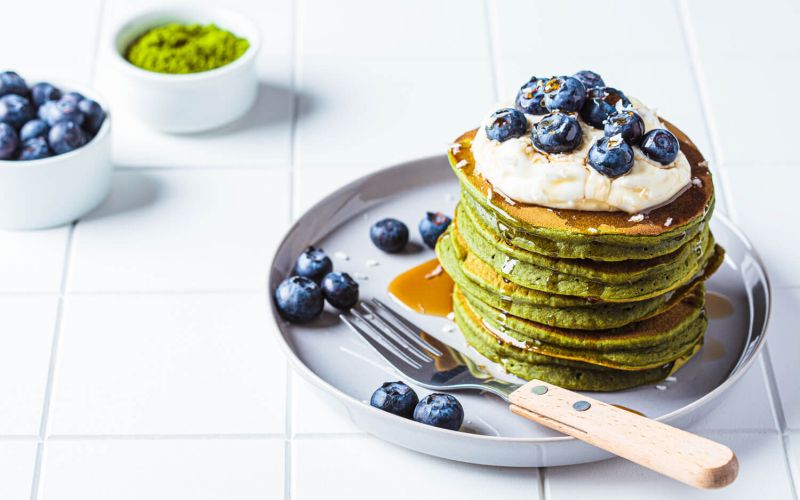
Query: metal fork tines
(390, 334)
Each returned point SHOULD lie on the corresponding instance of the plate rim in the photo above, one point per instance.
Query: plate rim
(738, 370)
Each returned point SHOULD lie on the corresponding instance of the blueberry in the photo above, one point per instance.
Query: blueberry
(34, 149)
(611, 156)
(12, 83)
(440, 410)
(61, 111)
(557, 133)
(9, 141)
(660, 145)
(396, 398)
(530, 97)
(589, 79)
(626, 123)
(299, 299)
(33, 128)
(506, 123)
(600, 104)
(43, 92)
(340, 290)
(432, 226)
(65, 137)
(564, 93)
(16, 110)
(390, 235)
(313, 264)
(75, 97)
(94, 115)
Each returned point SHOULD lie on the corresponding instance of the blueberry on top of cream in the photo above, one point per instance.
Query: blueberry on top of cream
(557, 133)
(531, 96)
(564, 93)
(505, 124)
(660, 145)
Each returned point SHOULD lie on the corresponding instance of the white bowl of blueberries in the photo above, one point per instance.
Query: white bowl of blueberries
(55, 153)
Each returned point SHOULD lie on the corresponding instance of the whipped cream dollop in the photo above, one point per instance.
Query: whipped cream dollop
(518, 171)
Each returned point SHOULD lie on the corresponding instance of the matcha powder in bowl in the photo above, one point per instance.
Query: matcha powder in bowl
(185, 48)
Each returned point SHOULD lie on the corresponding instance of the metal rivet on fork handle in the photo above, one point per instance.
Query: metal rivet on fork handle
(581, 405)
(539, 390)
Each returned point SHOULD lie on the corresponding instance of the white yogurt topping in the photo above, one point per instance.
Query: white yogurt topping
(522, 173)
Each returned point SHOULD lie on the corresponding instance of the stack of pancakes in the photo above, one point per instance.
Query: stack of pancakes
(596, 301)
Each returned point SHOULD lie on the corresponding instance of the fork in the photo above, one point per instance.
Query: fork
(432, 364)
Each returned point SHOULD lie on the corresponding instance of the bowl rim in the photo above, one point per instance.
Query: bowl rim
(183, 10)
(101, 135)
(748, 357)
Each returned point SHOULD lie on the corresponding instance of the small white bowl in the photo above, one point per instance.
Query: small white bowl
(53, 191)
(183, 103)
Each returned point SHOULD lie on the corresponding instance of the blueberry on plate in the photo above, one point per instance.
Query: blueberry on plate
(395, 397)
(440, 410)
(600, 104)
(94, 115)
(390, 235)
(530, 97)
(65, 137)
(12, 83)
(340, 290)
(299, 300)
(564, 93)
(9, 141)
(660, 145)
(16, 110)
(432, 226)
(34, 149)
(557, 133)
(506, 123)
(33, 128)
(589, 79)
(627, 124)
(313, 264)
(42, 92)
(611, 156)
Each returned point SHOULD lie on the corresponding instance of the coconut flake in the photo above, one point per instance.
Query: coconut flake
(592, 230)
(462, 164)
(372, 263)
(661, 387)
(697, 182)
(341, 255)
(668, 222)
(636, 218)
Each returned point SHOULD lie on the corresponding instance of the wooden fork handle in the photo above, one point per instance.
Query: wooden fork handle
(681, 455)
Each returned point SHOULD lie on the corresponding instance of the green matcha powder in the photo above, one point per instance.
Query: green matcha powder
(185, 48)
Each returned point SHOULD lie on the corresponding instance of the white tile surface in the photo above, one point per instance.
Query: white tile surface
(749, 401)
(182, 230)
(762, 474)
(27, 324)
(413, 29)
(260, 138)
(344, 467)
(32, 261)
(311, 184)
(163, 469)
(742, 43)
(380, 112)
(169, 364)
(315, 412)
(784, 351)
(793, 449)
(761, 209)
(40, 44)
(16, 463)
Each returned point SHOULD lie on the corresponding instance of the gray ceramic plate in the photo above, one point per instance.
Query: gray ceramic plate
(336, 360)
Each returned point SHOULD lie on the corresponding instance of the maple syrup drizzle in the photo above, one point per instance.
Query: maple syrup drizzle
(718, 306)
(426, 289)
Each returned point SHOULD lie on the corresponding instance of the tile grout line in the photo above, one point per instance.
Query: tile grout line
(489, 16)
(693, 51)
(44, 422)
(542, 483)
(295, 104)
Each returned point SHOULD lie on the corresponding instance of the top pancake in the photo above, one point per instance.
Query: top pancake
(684, 210)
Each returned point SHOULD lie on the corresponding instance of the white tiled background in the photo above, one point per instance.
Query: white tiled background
(136, 359)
